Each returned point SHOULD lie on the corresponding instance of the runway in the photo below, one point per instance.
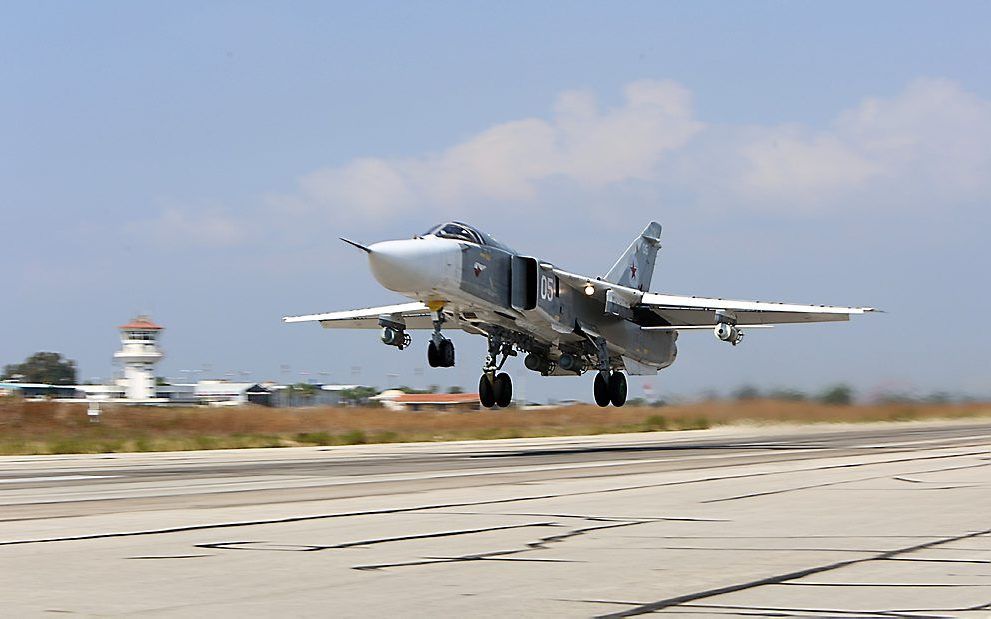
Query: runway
(866, 520)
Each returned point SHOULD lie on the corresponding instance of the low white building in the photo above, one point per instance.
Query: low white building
(398, 400)
(223, 393)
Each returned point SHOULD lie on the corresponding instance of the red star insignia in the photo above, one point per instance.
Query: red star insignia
(633, 270)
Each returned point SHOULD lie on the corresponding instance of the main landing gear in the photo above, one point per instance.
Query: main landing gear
(440, 350)
(610, 385)
(610, 388)
(495, 388)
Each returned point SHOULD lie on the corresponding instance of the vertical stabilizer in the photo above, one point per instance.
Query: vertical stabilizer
(636, 266)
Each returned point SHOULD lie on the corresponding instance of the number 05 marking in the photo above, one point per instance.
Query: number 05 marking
(546, 288)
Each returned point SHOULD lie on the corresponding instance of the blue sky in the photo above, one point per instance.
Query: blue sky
(198, 160)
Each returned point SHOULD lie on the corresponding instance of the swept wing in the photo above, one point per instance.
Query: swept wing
(686, 311)
(415, 315)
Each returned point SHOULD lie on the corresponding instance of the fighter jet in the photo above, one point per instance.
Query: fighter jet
(564, 323)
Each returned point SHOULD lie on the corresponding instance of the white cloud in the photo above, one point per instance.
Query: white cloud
(926, 147)
(507, 163)
(783, 162)
(931, 140)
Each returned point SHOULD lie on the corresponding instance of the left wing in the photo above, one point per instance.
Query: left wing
(415, 315)
(688, 311)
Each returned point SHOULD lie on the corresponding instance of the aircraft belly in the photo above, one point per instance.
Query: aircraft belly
(655, 348)
(625, 338)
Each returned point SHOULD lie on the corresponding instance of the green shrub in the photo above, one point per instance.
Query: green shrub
(655, 422)
(354, 437)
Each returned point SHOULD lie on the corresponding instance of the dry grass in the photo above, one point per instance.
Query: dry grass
(43, 428)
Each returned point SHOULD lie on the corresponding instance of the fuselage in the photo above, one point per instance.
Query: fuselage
(467, 273)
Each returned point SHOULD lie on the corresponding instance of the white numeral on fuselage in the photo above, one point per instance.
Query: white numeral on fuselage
(546, 288)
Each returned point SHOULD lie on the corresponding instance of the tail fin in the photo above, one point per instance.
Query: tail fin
(636, 266)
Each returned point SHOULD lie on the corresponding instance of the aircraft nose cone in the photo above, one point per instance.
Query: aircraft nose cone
(416, 266)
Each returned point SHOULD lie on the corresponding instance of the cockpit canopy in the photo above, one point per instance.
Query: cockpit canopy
(459, 231)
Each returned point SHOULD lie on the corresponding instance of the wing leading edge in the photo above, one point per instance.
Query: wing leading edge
(415, 315)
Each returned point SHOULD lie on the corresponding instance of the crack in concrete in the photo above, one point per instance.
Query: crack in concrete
(776, 611)
(247, 545)
(924, 560)
(540, 544)
(765, 549)
(789, 576)
(593, 518)
(908, 612)
(844, 481)
(170, 557)
(876, 584)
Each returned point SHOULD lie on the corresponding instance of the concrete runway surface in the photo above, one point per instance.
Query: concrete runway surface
(875, 520)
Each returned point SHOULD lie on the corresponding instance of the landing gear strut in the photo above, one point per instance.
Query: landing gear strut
(495, 388)
(440, 350)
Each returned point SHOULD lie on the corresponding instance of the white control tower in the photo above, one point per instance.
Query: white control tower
(139, 353)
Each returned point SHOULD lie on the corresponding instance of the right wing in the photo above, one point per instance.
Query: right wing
(415, 315)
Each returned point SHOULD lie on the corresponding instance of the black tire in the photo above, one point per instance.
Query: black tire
(503, 388)
(601, 389)
(445, 354)
(486, 394)
(617, 388)
(433, 357)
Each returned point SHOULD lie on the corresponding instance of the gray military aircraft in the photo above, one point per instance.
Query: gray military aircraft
(565, 323)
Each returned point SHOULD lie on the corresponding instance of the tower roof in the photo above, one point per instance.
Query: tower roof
(141, 322)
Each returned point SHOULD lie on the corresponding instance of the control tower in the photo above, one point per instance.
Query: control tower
(139, 353)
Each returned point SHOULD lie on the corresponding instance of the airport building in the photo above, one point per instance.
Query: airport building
(140, 352)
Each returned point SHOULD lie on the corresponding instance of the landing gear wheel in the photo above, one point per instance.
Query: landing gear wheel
(601, 389)
(503, 388)
(433, 356)
(486, 394)
(445, 354)
(617, 388)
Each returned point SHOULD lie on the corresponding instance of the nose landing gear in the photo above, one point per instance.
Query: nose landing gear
(440, 350)
(440, 355)
(496, 388)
